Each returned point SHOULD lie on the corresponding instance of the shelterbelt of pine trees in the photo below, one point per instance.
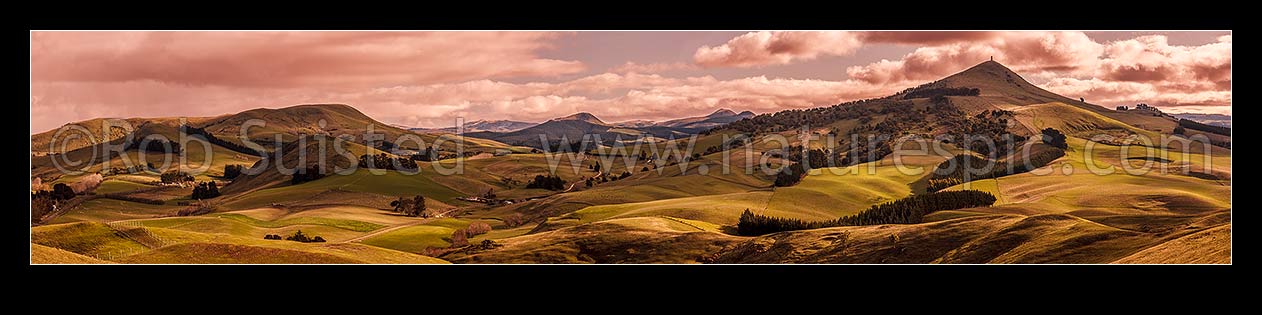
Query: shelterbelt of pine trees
(908, 210)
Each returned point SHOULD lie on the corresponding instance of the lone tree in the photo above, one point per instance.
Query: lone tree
(1054, 138)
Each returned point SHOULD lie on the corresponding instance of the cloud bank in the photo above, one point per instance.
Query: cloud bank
(429, 78)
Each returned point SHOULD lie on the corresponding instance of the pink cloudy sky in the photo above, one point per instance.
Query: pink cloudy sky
(429, 78)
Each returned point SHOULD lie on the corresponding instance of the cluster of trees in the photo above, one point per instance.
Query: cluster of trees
(87, 183)
(198, 132)
(231, 171)
(550, 182)
(460, 237)
(297, 237)
(804, 162)
(908, 210)
(134, 169)
(383, 161)
(205, 190)
(42, 203)
(604, 178)
(477, 228)
(173, 177)
(514, 220)
(1190, 124)
(37, 184)
(430, 155)
(1054, 138)
(964, 168)
(45, 201)
(790, 175)
(155, 145)
(60, 191)
(978, 133)
(414, 207)
(942, 92)
(303, 175)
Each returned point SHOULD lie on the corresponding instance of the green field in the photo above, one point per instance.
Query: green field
(241, 225)
(391, 183)
(110, 186)
(85, 238)
(357, 226)
(352, 251)
(416, 238)
(107, 210)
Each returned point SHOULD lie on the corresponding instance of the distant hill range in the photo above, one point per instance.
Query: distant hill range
(718, 118)
(574, 127)
(481, 125)
(1208, 119)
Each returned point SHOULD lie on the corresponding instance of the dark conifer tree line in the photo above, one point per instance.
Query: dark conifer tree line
(198, 132)
(909, 210)
(303, 175)
(942, 92)
(383, 161)
(155, 145)
(1191, 124)
(549, 182)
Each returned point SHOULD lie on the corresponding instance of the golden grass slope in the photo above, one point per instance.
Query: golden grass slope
(1212, 246)
(628, 240)
(211, 253)
(977, 239)
(41, 254)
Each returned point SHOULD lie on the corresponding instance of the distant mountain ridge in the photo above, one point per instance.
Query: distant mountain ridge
(574, 127)
(481, 125)
(715, 119)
